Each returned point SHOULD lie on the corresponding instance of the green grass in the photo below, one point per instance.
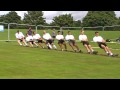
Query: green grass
(17, 62)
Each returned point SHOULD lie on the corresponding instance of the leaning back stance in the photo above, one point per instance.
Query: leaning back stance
(20, 38)
(102, 44)
(61, 41)
(71, 40)
(83, 38)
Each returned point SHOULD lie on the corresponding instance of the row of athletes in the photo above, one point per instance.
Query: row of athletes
(48, 40)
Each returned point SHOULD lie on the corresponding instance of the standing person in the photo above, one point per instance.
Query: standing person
(70, 38)
(29, 32)
(53, 34)
(83, 38)
(20, 38)
(49, 40)
(62, 32)
(61, 41)
(30, 40)
(37, 38)
(102, 44)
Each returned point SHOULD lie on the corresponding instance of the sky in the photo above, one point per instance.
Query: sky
(77, 15)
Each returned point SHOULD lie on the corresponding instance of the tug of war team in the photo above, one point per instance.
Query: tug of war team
(34, 39)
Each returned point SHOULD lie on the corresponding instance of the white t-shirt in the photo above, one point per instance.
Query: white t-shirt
(58, 37)
(82, 37)
(69, 37)
(97, 39)
(19, 35)
(29, 38)
(36, 36)
(47, 36)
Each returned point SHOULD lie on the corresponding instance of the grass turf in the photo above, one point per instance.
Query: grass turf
(18, 62)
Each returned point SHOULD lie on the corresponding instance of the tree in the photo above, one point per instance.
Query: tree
(34, 18)
(11, 17)
(63, 20)
(100, 18)
(77, 23)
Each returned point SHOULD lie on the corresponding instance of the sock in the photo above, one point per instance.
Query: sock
(54, 46)
(88, 51)
(107, 52)
(50, 46)
(111, 53)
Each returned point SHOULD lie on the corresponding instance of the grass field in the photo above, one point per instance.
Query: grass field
(18, 62)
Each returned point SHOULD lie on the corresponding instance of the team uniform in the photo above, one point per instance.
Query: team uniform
(60, 39)
(72, 43)
(20, 36)
(31, 40)
(70, 39)
(84, 40)
(37, 38)
(83, 37)
(49, 40)
(99, 40)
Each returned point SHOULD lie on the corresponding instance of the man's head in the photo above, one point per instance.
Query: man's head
(44, 32)
(69, 33)
(18, 31)
(34, 33)
(97, 33)
(58, 32)
(82, 32)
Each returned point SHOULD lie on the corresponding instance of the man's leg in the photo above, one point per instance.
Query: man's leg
(41, 45)
(72, 46)
(87, 48)
(79, 50)
(35, 43)
(60, 46)
(110, 52)
(19, 42)
(91, 49)
(31, 45)
(65, 45)
(105, 49)
(25, 42)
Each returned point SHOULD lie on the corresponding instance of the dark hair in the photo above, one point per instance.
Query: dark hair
(58, 31)
(33, 32)
(96, 32)
(68, 31)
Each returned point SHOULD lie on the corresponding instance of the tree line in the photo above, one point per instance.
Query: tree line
(93, 18)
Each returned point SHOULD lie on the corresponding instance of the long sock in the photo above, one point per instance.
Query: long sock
(50, 46)
(54, 46)
(111, 53)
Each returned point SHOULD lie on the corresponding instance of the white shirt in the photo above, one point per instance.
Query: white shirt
(19, 35)
(36, 36)
(82, 37)
(29, 38)
(58, 37)
(69, 37)
(97, 39)
(47, 36)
